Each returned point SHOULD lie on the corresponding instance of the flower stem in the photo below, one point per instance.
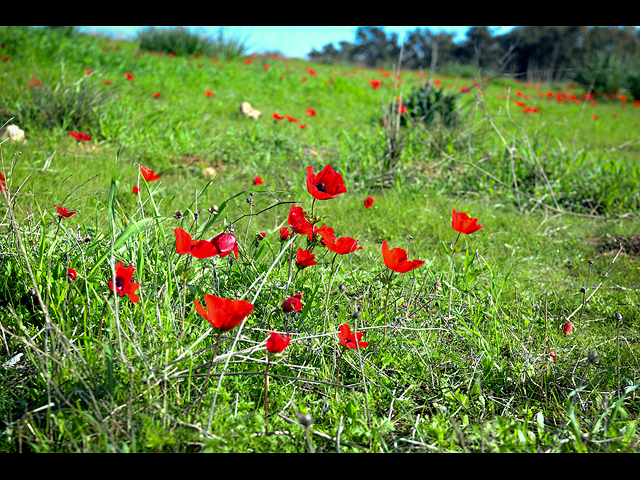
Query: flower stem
(266, 385)
(215, 350)
(453, 250)
(386, 304)
(335, 395)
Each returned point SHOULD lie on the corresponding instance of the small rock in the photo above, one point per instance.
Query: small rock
(247, 110)
(15, 132)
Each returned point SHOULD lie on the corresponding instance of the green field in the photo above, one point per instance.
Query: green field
(466, 352)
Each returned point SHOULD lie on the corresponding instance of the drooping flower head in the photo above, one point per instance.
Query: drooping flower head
(285, 234)
(567, 328)
(185, 245)
(292, 304)
(341, 246)
(225, 243)
(304, 258)
(349, 340)
(299, 223)
(276, 343)
(148, 174)
(72, 274)
(462, 223)
(136, 190)
(224, 314)
(397, 259)
(123, 285)
(327, 184)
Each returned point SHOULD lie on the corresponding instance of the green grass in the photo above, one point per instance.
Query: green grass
(475, 375)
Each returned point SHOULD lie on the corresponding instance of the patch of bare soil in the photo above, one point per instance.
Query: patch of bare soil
(630, 244)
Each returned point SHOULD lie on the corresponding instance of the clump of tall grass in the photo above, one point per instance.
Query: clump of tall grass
(181, 41)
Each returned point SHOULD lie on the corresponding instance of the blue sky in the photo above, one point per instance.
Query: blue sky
(292, 41)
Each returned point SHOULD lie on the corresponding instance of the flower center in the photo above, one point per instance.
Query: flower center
(321, 187)
(119, 284)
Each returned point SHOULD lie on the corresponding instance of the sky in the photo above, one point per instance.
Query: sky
(295, 41)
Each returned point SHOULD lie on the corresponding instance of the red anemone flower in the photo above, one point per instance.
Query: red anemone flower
(368, 203)
(349, 340)
(128, 76)
(341, 246)
(550, 94)
(87, 71)
(397, 259)
(302, 126)
(80, 137)
(72, 274)
(375, 84)
(462, 223)
(311, 112)
(136, 190)
(292, 304)
(224, 314)
(622, 98)
(185, 245)
(588, 96)
(209, 93)
(148, 174)
(299, 223)
(225, 243)
(518, 93)
(305, 258)
(519, 104)
(107, 81)
(402, 109)
(277, 117)
(291, 119)
(567, 329)
(594, 116)
(124, 286)
(258, 181)
(312, 72)
(327, 184)
(285, 234)
(3, 185)
(64, 212)
(156, 95)
(277, 344)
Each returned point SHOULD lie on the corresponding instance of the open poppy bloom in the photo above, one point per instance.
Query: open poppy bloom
(123, 285)
(519, 104)
(349, 340)
(148, 174)
(64, 212)
(292, 304)
(299, 223)
(225, 243)
(277, 117)
(258, 181)
(209, 93)
(291, 119)
(185, 245)
(327, 184)
(80, 137)
(397, 259)
(530, 110)
(107, 81)
(128, 76)
(276, 343)
(341, 246)
(304, 258)
(224, 314)
(72, 274)
(368, 203)
(285, 234)
(594, 116)
(311, 112)
(312, 72)
(156, 95)
(302, 126)
(375, 84)
(462, 223)
(402, 109)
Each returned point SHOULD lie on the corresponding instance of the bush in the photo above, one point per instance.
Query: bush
(427, 104)
(181, 41)
(603, 70)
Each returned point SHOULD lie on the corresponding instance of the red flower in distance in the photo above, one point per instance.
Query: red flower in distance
(209, 93)
(622, 98)
(594, 116)
(519, 104)
(311, 112)
(302, 126)
(303, 79)
(224, 314)
(368, 203)
(397, 259)
(258, 181)
(550, 94)
(349, 340)
(292, 304)
(299, 223)
(304, 258)
(64, 212)
(124, 286)
(375, 84)
(341, 246)
(80, 137)
(136, 190)
(530, 110)
(277, 117)
(327, 184)
(312, 72)
(277, 344)
(560, 97)
(128, 76)
(225, 243)
(402, 109)
(462, 223)
(588, 96)
(87, 71)
(185, 245)
(156, 95)
(567, 329)
(148, 174)
(72, 274)
(518, 93)
(107, 81)
(291, 119)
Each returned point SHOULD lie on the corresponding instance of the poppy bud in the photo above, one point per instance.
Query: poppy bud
(178, 215)
(87, 239)
(213, 209)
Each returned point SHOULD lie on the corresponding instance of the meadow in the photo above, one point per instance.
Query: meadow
(180, 277)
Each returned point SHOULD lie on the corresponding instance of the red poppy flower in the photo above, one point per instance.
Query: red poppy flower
(327, 184)
(614, 116)
(302, 126)
(303, 79)
(462, 223)
(312, 72)
(397, 259)
(209, 93)
(266, 66)
(385, 74)
(224, 314)
(622, 98)
(588, 96)
(107, 81)
(540, 95)
(277, 344)
(136, 190)
(285, 234)
(311, 112)
(304, 258)
(87, 71)
(553, 354)
(277, 117)
(636, 103)
(225, 243)
(402, 109)
(128, 76)
(291, 119)
(530, 110)
(3, 185)
(258, 181)
(72, 274)
(375, 84)
(518, 93)
(124, 286)
(64, 212)
(80, 137)
(550, 94)
(349, 340)
(292, 304)
(519, 104)
(5, 58)
(299, 223)
(156, 95)
(594, 116)
(567, 329)
(368, 203)
(341, 246)
(185, 245)
(148, 174)
(560, 97)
